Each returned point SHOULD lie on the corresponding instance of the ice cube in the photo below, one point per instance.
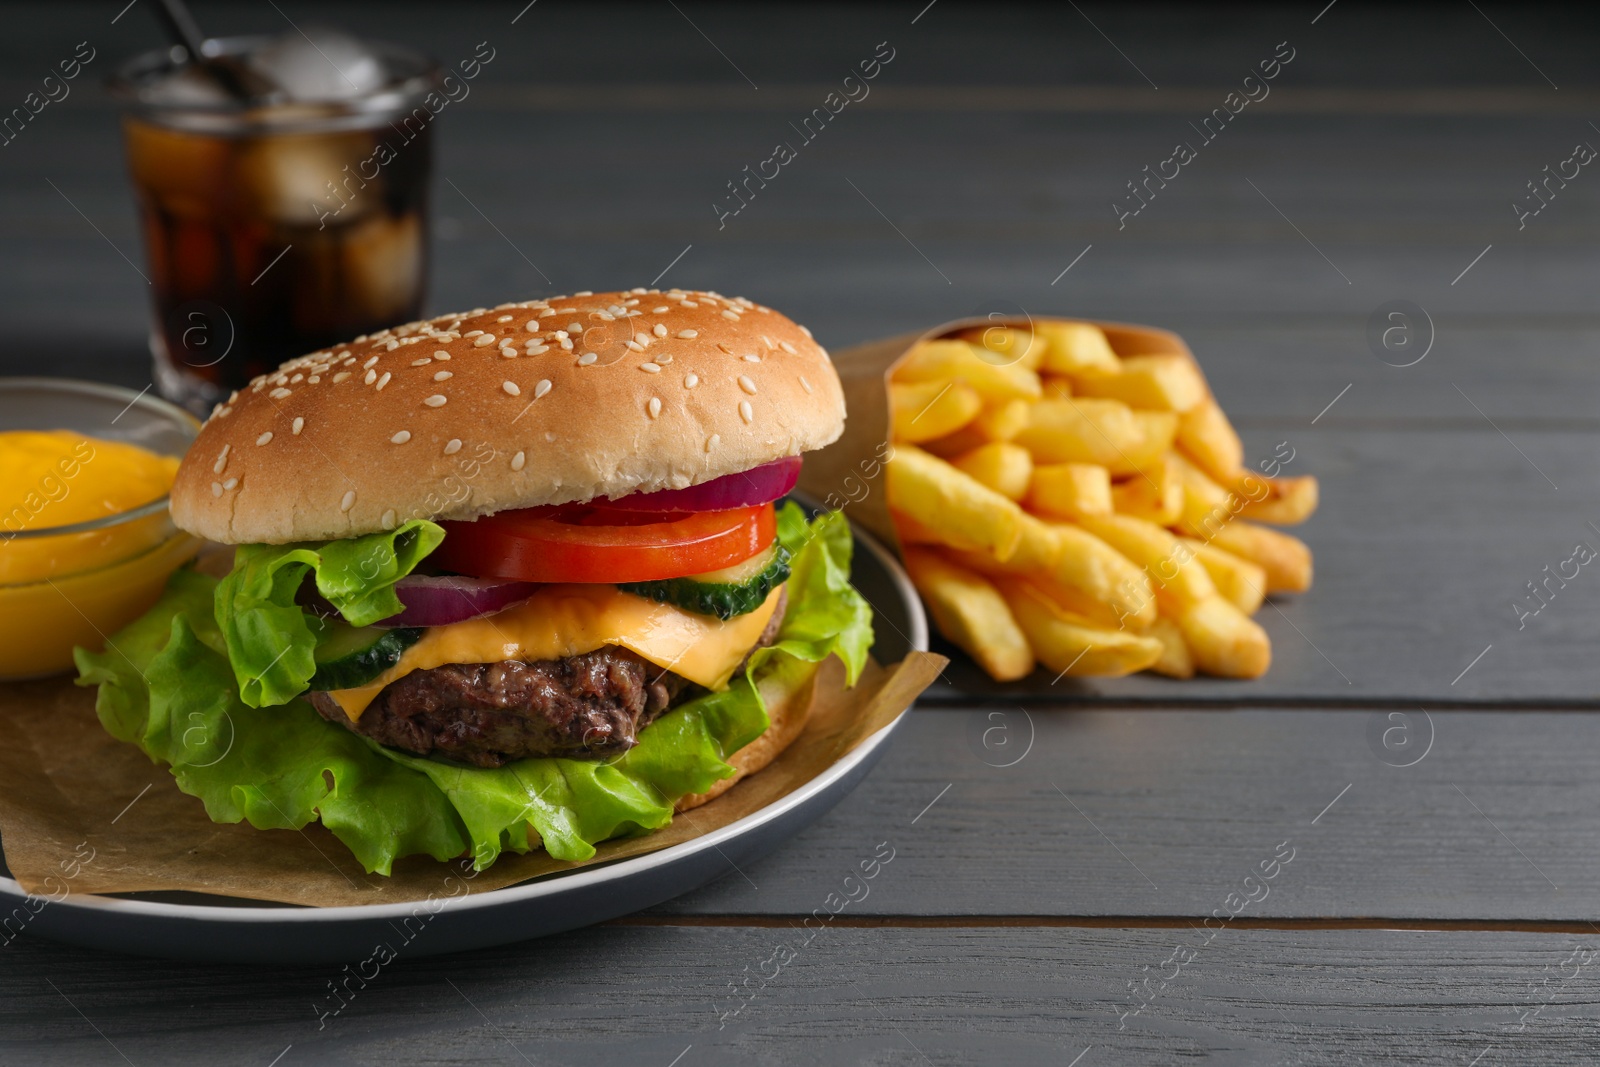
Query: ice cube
(305, 178)
(382, 267)
(186, 87)
(321, 65)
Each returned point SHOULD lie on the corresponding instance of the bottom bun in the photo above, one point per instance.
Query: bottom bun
(789, 702)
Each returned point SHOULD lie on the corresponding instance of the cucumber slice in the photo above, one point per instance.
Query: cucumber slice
(736, 590)
(350, 656)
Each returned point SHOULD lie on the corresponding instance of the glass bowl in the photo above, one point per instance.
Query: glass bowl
(67, 585)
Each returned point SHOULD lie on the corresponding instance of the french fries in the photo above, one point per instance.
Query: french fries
(939, 496)
(922, 411)
(1070, 645)
(1163, 383)
(1003, 467)
(1061, 505)
(1069, 490)
(970, 612)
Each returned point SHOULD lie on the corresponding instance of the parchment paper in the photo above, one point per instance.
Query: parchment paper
(68, 790)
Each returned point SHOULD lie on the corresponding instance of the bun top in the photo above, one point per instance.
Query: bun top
(540, 402)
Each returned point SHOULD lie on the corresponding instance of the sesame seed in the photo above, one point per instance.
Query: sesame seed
(230, 483)
(650, 368)
(518, 460)
(224, 411)
(511, 388)
(441, 354)
(659, 330)
(541, 350)
(688, 304)
(472, 333)
(298, 425)
(691, 380)
(314, 379)
(503, 318)
(787, 347)
(730, 314)
(713, 441)
(348, 501)
(654, 407)
(642, 337)
(542, 388)
(440, 376)
(370, 377)
(383, 381)
(662, 310)
(663, 359)
(606, 316)
(483, 340)
(574, 327)
(452, 446)
(264, 438)
(746, 384)
(437, 400)
(392, 345)
(805, 384)
(388, 519)
(752, 358)
(509, 353)
(634, 346)
(586, 359)
(297, 378)
(746, 412)
(222, 459)
(423, 362)
(216, 488)
(804, 331)
(369, 363)
(400, 438)
(279, 394)
(341, 376)
(688, 335)
(547, 312)
(584, 292)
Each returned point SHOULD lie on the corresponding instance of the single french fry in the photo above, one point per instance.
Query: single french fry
(971, 613)
(1003, 467)
(1283, 502)
(1286, 559)
(1159, 428)
(1068, 490)
(912, 532)
(1095, 566)
(1075, 348)
(1082, 431)
(962, 509)
(922, 411)
(1154, 494)
(1207, 507)
(1242, 583)
(1178, 578)
(950, 359)
(1008, 344)
(999, 421)
(1209, 439)
(1223, 640)
(1079, 571)
(1169, 382)
(1176, 660)
(1056, 387)
(1068, 644)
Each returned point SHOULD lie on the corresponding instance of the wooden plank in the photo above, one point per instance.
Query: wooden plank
(1162, 813)
(935, 996)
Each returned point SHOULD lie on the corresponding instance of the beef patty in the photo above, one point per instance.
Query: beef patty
(590, 706)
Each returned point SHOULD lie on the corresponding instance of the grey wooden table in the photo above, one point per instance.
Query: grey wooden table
(1437, 906)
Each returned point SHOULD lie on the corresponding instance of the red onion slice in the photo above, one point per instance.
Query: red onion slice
(759, 485)
(444, 599)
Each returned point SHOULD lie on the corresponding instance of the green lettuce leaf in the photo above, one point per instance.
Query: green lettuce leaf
(166, 685)
(270, 640)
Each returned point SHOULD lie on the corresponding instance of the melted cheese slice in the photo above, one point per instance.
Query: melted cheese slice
(569, 620)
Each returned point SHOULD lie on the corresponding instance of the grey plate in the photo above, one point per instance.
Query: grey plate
(193, 926)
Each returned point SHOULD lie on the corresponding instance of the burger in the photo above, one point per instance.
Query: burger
(516, 578)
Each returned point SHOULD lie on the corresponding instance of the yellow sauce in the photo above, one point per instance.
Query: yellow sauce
(61, 590)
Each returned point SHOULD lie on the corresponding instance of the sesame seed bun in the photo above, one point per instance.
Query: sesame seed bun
(466, 415)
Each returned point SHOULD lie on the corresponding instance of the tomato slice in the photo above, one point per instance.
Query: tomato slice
(585, 544)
